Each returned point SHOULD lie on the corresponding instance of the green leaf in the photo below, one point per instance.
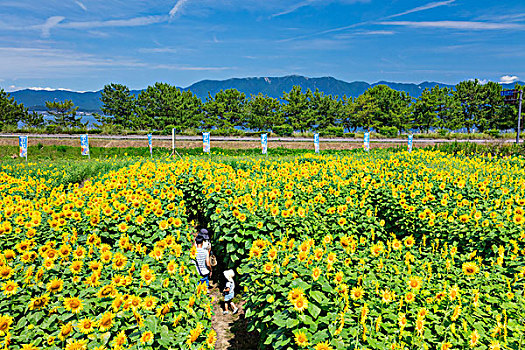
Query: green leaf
(314, 310)
(319, 297)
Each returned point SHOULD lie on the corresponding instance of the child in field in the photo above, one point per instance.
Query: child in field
(229, 292)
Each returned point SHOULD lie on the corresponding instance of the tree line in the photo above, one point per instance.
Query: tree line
(469, 105)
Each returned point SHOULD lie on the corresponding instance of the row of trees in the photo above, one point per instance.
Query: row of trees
(12, 112)
(470, 105)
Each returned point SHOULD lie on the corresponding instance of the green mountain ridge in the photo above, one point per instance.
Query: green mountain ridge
(271, 86)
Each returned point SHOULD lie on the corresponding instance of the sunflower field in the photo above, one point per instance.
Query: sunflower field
(377, 250)
(107, 265)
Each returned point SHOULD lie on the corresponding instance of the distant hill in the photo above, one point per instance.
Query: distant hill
(271, 86)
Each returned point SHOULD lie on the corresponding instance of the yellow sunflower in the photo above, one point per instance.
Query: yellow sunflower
(211, 339)
(301, 339)
(39, 302)
(415, 282)
(9, 288)
(77, 345)
(323, 346)
(300, 304)
(357, 293)
(55, 285)
(65, 330)
(150, 302)
(470, 268)
(146, 337)
(73, 304)
(106, 321)
(5, 323)
(86, 325)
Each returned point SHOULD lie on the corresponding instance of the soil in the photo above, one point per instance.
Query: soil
(232, 332)
(94, 142)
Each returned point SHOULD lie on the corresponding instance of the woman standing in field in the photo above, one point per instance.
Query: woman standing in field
(202, 261)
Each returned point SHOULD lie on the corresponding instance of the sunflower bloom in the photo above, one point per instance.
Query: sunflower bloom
(300, 304)
(211, 339)
(106, 321)
(9, 288)
(73, 304)
(5, 323)
(301, 339)
(470, 268)
(86, 325)
(474, 338)
(357, 293)
(323, 346)
(147, 337)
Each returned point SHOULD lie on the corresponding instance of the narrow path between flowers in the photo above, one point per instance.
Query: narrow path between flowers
(231, 329)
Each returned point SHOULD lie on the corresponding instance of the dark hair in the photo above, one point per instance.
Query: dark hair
(199, 239)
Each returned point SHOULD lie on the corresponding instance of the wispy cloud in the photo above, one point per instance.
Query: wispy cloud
(376, 32)
(82, 6)
(49, 24)
(428, 6)
(293, 8)
(158, 50)
(508, 79)
(188, 68)
(328, 31)
(40, 63)
(178, 6)
(462, 25)
(481, 81)
(40, 88)
(364, 33)
(305, 3)
(130, 22)
(515, 17)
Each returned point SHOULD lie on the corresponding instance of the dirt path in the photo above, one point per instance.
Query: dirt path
(94, 142)
(231, 329)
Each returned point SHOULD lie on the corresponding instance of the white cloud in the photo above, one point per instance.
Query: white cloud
(42, 63)
(415, 9)
(363, 33)
(462, 25)
(515, 17)
(50, 23)
(178, 6)
(428, 6)
(158, 50)
(130, 22)
(293, 8)
(38, 88)
(508, 79)
(376, 32)
(306, 3)
(29, 62)
(82, 6)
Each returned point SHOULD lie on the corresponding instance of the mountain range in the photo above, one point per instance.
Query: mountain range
(271, 86)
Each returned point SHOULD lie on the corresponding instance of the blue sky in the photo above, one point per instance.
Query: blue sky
(84, 44)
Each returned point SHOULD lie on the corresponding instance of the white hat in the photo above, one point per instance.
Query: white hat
(229, 275)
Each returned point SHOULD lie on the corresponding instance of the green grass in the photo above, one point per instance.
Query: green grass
(64, 164)
(478, 148)
(54, 152)
(64, 172)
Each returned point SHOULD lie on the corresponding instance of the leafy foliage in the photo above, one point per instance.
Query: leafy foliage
(10, 111)
(64, 113)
